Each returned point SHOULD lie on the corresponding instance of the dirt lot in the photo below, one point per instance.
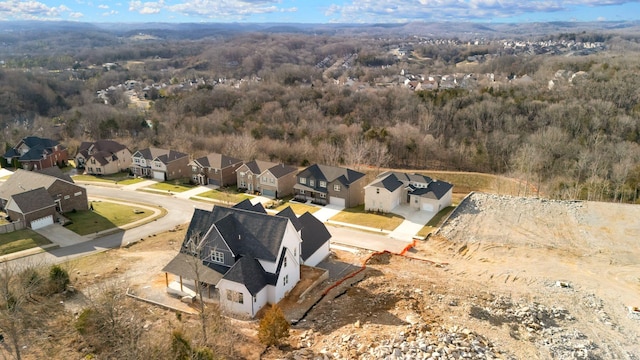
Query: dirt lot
(506, 277)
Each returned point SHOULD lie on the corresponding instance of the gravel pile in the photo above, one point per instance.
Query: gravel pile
(415, 342)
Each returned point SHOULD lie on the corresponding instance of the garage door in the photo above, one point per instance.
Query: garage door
(269, 193)
(42, 222)
(427, 207)
(336, 201)
(158, 175)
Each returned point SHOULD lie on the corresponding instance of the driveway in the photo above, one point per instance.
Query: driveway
(191, 192)
(327, 212)
(60, 235)
(414, 220)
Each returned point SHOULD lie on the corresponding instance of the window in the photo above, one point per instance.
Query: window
(194, 168)
(377, 191)
(272, 180)
(264, 179)
(284, 263)
(286, 279)
(235, 296)
(242, 174)
(93, 161)
(217, 256)
(312, 182)
(336, 187)
(323, 184)
(303, 180)
(295, 252)
(78, 193)
(67, 197)
(99, 170)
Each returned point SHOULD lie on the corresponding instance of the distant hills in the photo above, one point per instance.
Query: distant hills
(461, 30)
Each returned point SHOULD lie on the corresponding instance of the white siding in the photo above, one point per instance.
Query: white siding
(319, 255)
(246, 308)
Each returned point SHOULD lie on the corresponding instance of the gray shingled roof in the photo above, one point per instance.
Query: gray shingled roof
(247, 205)
(170, 156)
(258, 166)
(32, 200)
(217, 161)
(186, 266)
(281, 170)
(249, 272)
(331, 173)
(37, 148)
(23, 180)
(390, 182)
(289, 214)
(314, 234)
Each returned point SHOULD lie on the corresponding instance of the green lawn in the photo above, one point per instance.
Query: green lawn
(21, 240)
(119, 178)
(229, 197)
(176, 187)
(436, 221)
(105, 215)
(358, 216)
(298, 208)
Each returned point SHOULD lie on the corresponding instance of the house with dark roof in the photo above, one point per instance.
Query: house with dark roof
(35, 208)
(64, 194)
(247, 257)
(160, 164)
(420, 192)
(215, 169)
(34, 153)
(323, 184)
(103, 157)
(267, 178)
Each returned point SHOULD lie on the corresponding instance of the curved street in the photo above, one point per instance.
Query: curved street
(179, 211)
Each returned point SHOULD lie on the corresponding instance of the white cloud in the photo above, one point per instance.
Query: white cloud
(103, 6)
(33, 10)
(146, 7)
(110, 13)
(76, 15)
(402, 10)
(228, 9)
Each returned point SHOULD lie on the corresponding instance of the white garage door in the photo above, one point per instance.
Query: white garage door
(336, 201)
(42, 222)
(427, 207)
(158, 175)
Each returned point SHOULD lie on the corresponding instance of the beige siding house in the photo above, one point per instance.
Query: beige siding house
(103, 157)
(420, 192)
(267, 178)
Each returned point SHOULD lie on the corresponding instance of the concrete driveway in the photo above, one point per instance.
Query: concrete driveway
(60, 235)
(414, 220)
(327, 212)
(191, 192)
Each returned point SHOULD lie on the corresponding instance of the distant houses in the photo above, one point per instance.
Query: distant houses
(35, 153)
(323, 184)
(36, 196)
(160, 164)
(103, 157)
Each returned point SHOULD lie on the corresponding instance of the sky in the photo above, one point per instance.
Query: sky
(320, 11)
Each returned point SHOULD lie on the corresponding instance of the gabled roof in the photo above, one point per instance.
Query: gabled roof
(244, 231)
(108, 146)
(38, 148)
(259, 166)
(331, 174)
(55, 172)
(389, 182)
(249, 272)
(314, 234)
(170, 156)
(104, 157)
(247, 205)
(152, 153)
(23, 180)
(281, 170)
(406, 177)
(289, 214)
(216, 161)
(32, 200)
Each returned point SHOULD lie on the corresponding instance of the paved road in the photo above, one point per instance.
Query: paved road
(180, 212)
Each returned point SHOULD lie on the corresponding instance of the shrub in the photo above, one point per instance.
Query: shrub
(274, 327)
(58, 278)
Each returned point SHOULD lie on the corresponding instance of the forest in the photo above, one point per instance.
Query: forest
(564, 121)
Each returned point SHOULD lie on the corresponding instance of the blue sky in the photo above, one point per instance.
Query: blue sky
(316, 11)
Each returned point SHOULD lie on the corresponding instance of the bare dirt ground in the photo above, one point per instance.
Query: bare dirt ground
(506, 277)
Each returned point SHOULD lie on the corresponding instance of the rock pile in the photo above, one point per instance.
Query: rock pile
(415, 342)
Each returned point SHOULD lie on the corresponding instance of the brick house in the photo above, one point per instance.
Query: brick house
(34, 153)
(215, 169)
